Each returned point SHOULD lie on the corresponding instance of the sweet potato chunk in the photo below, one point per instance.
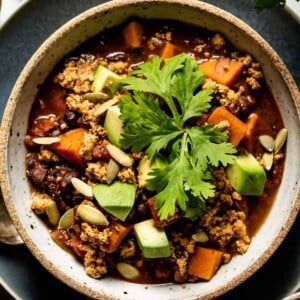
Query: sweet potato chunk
(248, 140)
(119, 232)
(205, 262)
(69, 146)
(157, 221)
(169, 50)
(133, 34)
(237, 129)
(222, 70)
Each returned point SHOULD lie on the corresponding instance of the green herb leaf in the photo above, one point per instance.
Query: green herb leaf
(209, 147)
(260, 5)
(157, 79)
(164, 96)
(146, 124)
(184, 85)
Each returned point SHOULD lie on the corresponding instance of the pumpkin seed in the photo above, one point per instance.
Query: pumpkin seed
(119, 155)
(280, 140)
(67, 219)
(53, 212)
(113, 169)
(47, 140)
(200, 237)
(81, 187)
(128, 271)
(267, 159)
(267, 142)
(91, 215)
(104, 106)
(96, 97)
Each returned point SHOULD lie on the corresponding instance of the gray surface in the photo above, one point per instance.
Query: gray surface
(21, 37)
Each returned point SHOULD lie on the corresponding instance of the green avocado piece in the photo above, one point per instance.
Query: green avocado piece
(117, 198)
(105, 80)
(114, 125)
(152, 241)
(246, 175)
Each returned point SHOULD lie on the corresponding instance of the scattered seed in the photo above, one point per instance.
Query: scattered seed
(81, 187)
(128, 271)
(104, 106)
(267, 142)
(280, 140)
(46, 140)
(53, 213)
(67, 219)
(91, 215)
(267, 159)
(112, 169)
(119, 155)
(96, 97)
(200, 237)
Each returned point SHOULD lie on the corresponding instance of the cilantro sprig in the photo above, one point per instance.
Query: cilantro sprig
(163, 97)
(260, 5)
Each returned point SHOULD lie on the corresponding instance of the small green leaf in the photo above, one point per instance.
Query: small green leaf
(260, 5)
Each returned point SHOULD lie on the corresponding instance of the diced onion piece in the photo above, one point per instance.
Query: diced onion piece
(119, 155)
(81, 187)
(91, 215)
(128, 271)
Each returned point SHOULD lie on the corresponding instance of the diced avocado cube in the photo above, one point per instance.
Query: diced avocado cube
(152, 241)
(246, 175)
(117, 198)
(146, 166)
(105, 80)
(114, 125)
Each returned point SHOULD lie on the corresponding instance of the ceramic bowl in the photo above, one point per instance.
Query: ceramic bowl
(16, 189)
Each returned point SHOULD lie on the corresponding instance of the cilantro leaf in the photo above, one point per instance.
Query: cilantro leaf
(184, 85)
(147, 124)
(163, 96)
(169, 182)
(260, 5)
(209, 147)
(195, 208)
(157, 79)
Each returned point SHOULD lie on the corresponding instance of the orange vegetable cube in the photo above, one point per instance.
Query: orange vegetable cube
(237, 129)
(169, 50)
(222, 70)
(119, 232)
(133, 34)
(205, 262)
(69, 146)
(248, 139)
(157, 221)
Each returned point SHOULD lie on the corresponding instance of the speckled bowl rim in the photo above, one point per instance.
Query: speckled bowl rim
(32, 63)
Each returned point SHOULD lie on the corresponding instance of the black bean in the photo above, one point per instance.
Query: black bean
(71, 117)
(66, 184)
(38, 175)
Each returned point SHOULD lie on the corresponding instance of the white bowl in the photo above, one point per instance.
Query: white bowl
(16, 189)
